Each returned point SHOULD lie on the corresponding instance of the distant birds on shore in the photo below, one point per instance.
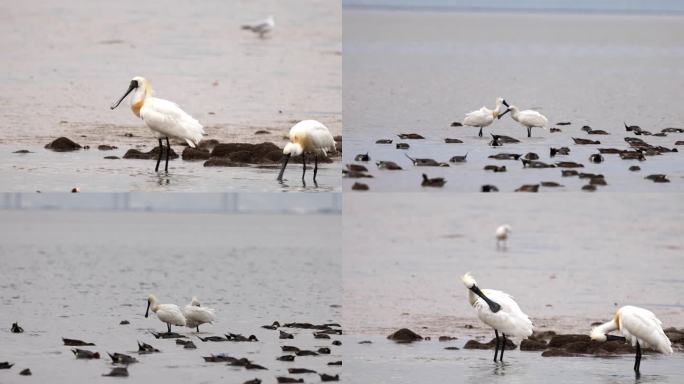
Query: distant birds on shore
(261, 27)
(307, 137)
(639, 327)
(170, 314)
(165, 118)
(498, 310)
(528, 118)
(484, 117)
(196, 315)
(502, 233)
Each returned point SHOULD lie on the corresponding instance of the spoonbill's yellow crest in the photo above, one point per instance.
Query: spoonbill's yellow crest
(167, 313)
(196, 315)
(498, 310)
(638, 326)
(307, 136)
(484, 116)
(163, 117)
(528, 118)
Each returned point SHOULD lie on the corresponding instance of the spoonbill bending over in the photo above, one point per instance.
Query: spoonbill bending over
(498, 310)
(528, 118)
(167, 313)
(640, 327)
(196, 315)
(261, 27)
(484, 117)
(502, 235)
(163, 117)
(307, 136)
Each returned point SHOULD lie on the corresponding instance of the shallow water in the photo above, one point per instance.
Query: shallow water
(409, 71)
(87, 271)
(48, 171)
(383, 361)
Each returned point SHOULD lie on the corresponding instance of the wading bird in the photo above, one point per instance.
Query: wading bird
(261, 27)
(163, 117)
(528, 118)
(640, 327)
(167, 313)
(307, 136)
(498, 310)
(484, 117)
(196, 315)
(502, 235)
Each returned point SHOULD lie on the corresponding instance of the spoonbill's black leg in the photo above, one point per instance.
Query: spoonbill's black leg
(503, 347)
(303, 166)
(480, 134)
(529, 131)
(637, 361)
(315, 166)
(198, 329)
(168, 326)
(496, 346)
(161, 148)
(168, 149)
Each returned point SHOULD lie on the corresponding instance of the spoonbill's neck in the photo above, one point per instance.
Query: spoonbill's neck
(138, 100)
(599, 332)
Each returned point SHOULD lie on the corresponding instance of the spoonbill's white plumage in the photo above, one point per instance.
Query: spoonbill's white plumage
(640, 327)
(528, 118)
(498, 310)
(196, 315)
(502, 235)
(484, 116)
(307, 137)
(163, 117)
(261, 27)
(170, 314)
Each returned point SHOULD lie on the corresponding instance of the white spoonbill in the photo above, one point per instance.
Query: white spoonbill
(528, 118)
(196, 315)
(307, 136)
(498, 310)
(640, 327)
(502, 235)
(261, 27)
(163, 117)
(484, 117)
(167, 313)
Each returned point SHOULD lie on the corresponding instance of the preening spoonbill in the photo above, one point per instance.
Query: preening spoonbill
(484, 117)
(307, 136)
(196, 315)
(167, 313)
(528, 118)
(261, 27)
(498, 310)
(163, 117)
(640, 327)
(502, 235)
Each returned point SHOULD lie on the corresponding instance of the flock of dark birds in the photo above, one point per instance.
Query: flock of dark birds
(637, 149)
(120, 361)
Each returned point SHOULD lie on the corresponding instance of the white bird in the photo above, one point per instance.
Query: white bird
(498, 310)
(484, 117)
(163, 117)
(307, 136)
(196, 315)
(502, 235)
(167, 313)
(640, 327)
(261, 27)
(528, 118)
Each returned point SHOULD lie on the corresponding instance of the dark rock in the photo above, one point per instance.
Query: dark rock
(452, 348)
(63, 144)
(597, 181)
(207, 145)
(404, 335)
(253, 381)
(456, 124)
(410, 136)
(284, 379)
(105, 147)
(326, 377)
(447, 338)
(557, 352)
(564, 123)
(192, 154)
(305, 352)
(249, 153)
(153, 154)
(474, 344)
(555, 130)
(124, 322)
(6, 365)
(22, 151)
(16, 328)
(118, 372)
(383, 141)
(453, 141)
(112, 157)
(365, 342)
(335, 362)
(635, 168)
(532, 345)
(221, 162)
(678, 142)
(403, 146)
(299, 371)
(528, 188)
(589, 188)
(559, 341)
(337, 343)
(262, 132)
(189, 345)
(551, 184)
(25, 372)
(360, 187)
(357, 168)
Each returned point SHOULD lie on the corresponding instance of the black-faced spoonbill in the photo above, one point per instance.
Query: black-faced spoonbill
(163, 117)
(528, 118)
(498, 310)
(640, 327)
(167, 313)
(484, 116)
(502, 235)
(196, 315)
(261, 27)
(307, 136)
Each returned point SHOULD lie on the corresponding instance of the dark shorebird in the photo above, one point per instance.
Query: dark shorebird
(383, 141)
(144, 348)
(596, 158)
(434, 182)
(569, 164)
(535, 164)
(528, 188)
(120, 358)
(16, 328)
(658, 178)
(117, 372)
(75, 342)
(403, 146)
(495, 168)
(489, 188)
(458, 159)
(559, 151)
(505, 156)
(272, 327)
(85, 354)
(585, 141)
(410, 136)
(426, 162)
(389, 165)
(362, 157)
